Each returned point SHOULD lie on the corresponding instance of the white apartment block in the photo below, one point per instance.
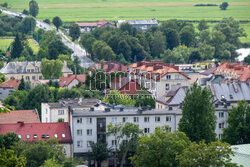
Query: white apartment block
(90, 126)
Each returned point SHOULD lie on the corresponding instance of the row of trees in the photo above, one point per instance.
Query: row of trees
(14, 152)
(174, 41)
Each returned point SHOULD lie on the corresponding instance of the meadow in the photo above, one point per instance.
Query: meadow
(6, 42)
(94, 10)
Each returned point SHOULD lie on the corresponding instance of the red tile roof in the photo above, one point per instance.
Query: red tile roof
(41, 130)
(95, 24)
(27, 116)
(65, 81)
(130, 88)
(110, 66)
(12, 83)
(230, 69)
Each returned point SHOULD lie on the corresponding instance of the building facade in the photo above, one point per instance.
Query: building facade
(29, 71)
(139, 24)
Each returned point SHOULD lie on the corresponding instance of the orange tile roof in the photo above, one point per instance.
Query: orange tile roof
(12, 83)
(65, 81)
(27, 116)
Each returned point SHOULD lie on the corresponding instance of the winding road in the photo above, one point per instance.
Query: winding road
(78, 51)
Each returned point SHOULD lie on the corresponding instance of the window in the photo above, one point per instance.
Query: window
(220, 136)
(32, 70)
(89, 120)
(28, 70)
(19, 136)
(63, 135)
(177, 76)
(34, 77)
(146, 119)
(46, 111)
(114, 120)
(136, 119)
(169, 129)
(79, 143)
(168, 118)
(89, 143)
(40, 77)
(47, 136)
(27, 78)
(114, 142)
(221, 125)
(79, 132)
(170, 108)
(35, 136)
(79, 120)
(167, 86)
(60, 112)
(55, 135)
(157, 119)
(168, 76)
(221, 114)
(27, 136)
(146, 130)
(124, 119)
(43, 136)
(89, 132)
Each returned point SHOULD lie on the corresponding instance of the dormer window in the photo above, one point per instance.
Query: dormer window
(27, 136)
(32, 70)
(35, 136)
(19, 136)
(47, 136)
(28, 70)
(55, 135)
(63, 135)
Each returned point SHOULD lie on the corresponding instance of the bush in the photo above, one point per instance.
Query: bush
(224, 6)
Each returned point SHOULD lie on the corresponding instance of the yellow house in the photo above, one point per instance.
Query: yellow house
(30, 71)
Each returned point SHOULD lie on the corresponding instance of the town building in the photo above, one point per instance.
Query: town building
(29, 70)
(26, 116)
(158, 78)
(91, 125)
(241, 154)
(52, 112)
(72, 80)
(8, 87)
(31, 132)
(108, 67)
(90, 26)
(139, 24)
(234, 71)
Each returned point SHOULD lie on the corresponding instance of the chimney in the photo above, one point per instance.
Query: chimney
(4, 64)
(21, 123)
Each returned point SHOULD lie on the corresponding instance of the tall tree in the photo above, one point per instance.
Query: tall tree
(158, 44)
(187, 35)
(57, 22)
(198, 119)
(160, 148)
(224, 6)
(21, 86)
(99, 152)
(8, 140)
(17, 47)
(74, 31)
(10, 158)
(51, 69)
(33, 8)
(202, 25)
(172, 38)
(28, 25)
(238, 130)
(207, 155)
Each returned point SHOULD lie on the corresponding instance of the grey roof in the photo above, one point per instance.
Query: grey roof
(242, 154)
(20, 67)
(137, 22)
(176, 97)
(87, 113)
(232, 92)
(77, 102)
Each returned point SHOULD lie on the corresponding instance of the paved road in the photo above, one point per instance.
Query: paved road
(78, 51)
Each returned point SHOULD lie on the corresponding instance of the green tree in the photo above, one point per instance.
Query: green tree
(160, 148)
(195, 56)
(158, 44)
(51, 69)
(114, 97)
(47, 21)
(2, 78)
(198, 120)
(74, 31)
(206, 51)
(17, 100)
(224, 6)
(247, 59)
(238, 130)
(51, 163)
(187, 35)
(7, 140)
(17, 47)
(57, 22)
(178, 55)
(99, 152)
(127, 136)
(28, 25)
(8, 158)
(21, 85)
(202, 25)
(33, 8)
(206, 155)
(26, 12)
(172, 38)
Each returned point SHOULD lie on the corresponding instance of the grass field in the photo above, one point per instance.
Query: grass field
(94, 10)
(6, 42)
